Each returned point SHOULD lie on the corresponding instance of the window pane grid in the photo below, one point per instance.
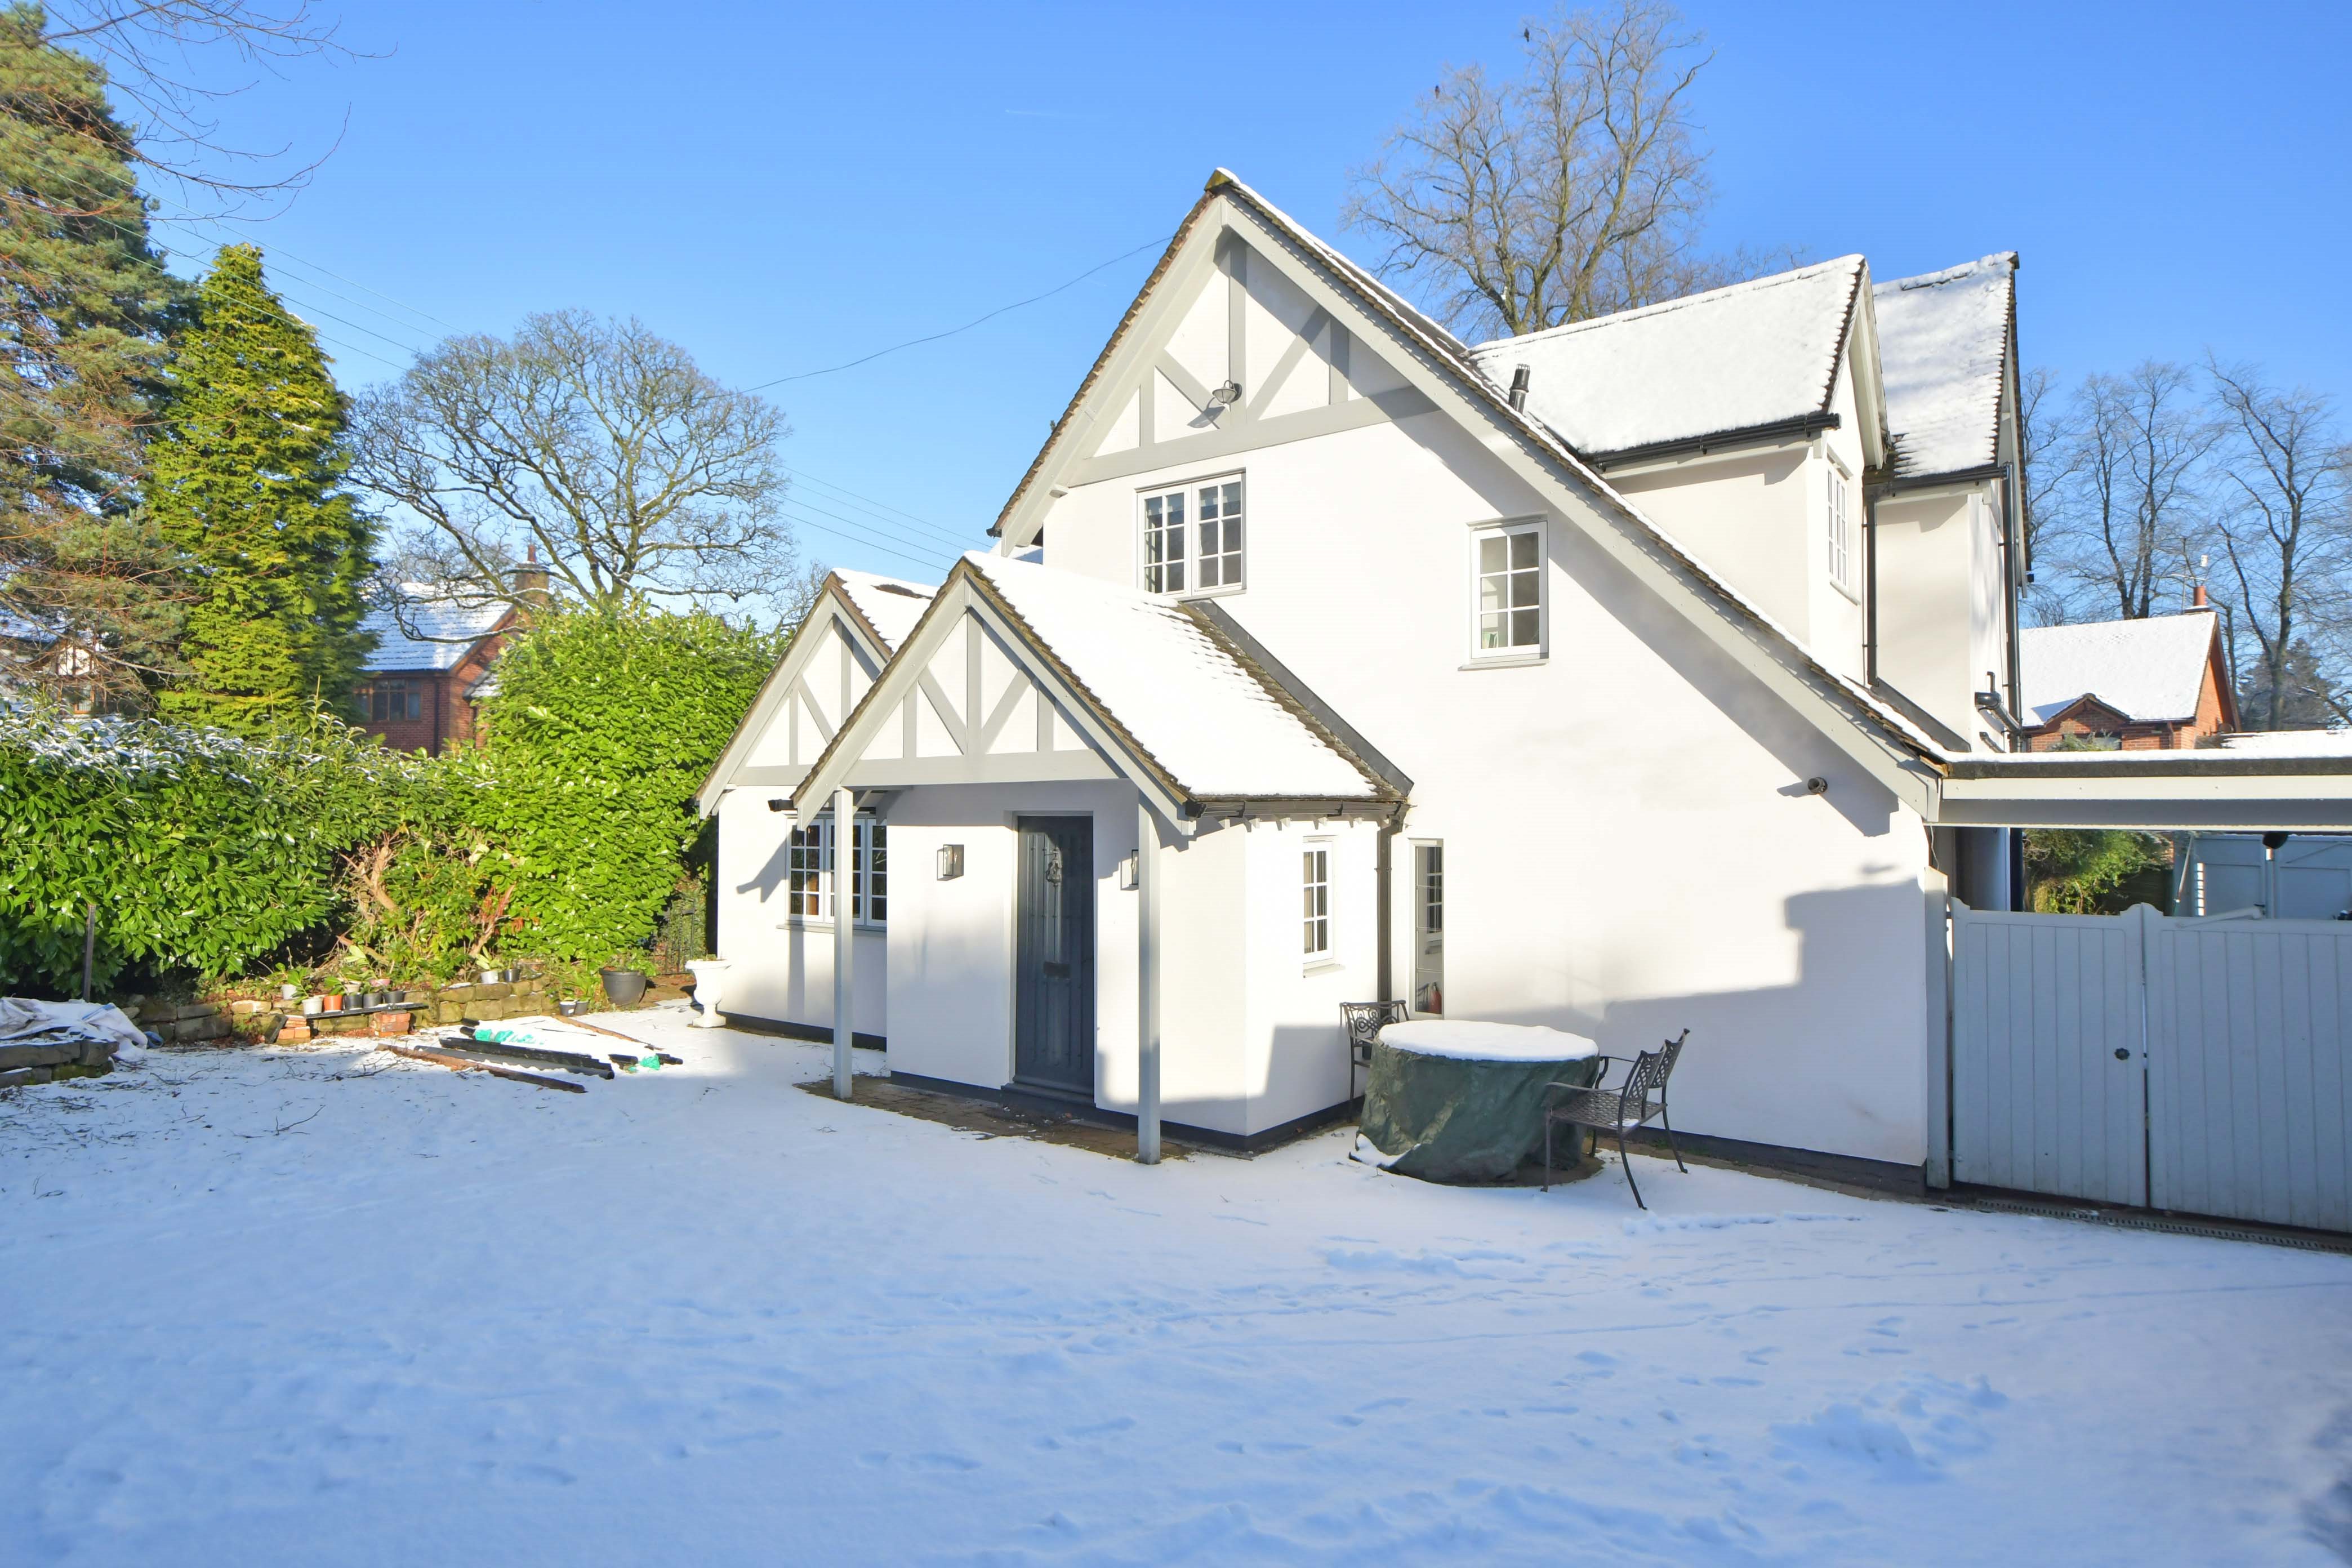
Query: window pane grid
(1192, 537)
(1163, 543)
(1510, 590)
(810, 883)
(1317, 870)
(1840, 534)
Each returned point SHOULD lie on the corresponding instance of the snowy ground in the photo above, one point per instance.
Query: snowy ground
(705, 1318)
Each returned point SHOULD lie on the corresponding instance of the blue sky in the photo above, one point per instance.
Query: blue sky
(784, 187)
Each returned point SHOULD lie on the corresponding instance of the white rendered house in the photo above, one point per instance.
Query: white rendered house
(1623, 678)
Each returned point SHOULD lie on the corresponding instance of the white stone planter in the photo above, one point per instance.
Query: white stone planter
(709, 983)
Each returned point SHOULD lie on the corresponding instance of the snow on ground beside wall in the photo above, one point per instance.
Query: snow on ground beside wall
(261, 1309)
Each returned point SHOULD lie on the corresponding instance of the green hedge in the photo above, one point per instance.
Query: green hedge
(601, 732)
(201, 851)
(563, 839)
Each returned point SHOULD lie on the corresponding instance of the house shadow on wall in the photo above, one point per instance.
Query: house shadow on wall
(1836, 1056)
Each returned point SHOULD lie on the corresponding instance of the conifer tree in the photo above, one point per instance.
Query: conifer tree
(244, 478)
(89, 595)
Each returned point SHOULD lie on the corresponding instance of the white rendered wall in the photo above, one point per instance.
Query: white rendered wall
(1629, 846)
(1294, 1059)
(783, 969)
(1249, 1034)
(1941, 623)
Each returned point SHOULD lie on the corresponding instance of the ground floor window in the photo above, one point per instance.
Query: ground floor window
(808, 871)
(1318, 903)
(1429, 930)
(387, 702)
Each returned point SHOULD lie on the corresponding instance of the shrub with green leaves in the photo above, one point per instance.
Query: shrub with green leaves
(2095, 870)
(201, 851)
(602, 729)
(204, 852)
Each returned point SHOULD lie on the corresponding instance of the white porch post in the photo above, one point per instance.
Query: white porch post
(844, 920)
(1147, 984)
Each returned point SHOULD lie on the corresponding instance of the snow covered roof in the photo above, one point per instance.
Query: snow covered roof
(2149, 670)
(1943, 344)
(1758, 353)
(2289, 742)
(1446, 354)
(891, 606)
(1213, 723)
(449, 631)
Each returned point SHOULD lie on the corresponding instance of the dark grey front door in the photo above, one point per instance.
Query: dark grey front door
(1054, 962)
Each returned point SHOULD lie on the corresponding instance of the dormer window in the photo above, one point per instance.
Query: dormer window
(1192, 537)
(1838, 530)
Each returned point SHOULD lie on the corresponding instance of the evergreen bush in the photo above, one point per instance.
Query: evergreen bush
(201, 851)
(603, 729)
(563, 840)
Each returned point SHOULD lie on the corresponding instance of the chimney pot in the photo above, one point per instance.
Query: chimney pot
(1519, 386)
(2199, 602)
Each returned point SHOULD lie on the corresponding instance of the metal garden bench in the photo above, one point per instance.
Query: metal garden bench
(1365, 1021)
(1630, 1104)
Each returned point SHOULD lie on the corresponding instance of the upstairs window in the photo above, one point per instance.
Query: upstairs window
(1192, 537)
(1838, 530)
(1506, 564)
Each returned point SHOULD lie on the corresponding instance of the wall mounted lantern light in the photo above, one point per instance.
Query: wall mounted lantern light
(950, 862)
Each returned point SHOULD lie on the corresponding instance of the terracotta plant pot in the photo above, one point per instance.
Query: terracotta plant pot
(624, 987)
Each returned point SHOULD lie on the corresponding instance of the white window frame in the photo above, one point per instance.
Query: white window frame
(1190, 490)
(806, 883)
(1314, 908)
(1841, 551)
(1516, 653)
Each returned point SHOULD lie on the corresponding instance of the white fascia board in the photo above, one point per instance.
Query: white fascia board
(903, 675)
(1869, 376)
(1639, 549)
(1137, 357)
(830, 603)
(1729, 452)
(2032, 797)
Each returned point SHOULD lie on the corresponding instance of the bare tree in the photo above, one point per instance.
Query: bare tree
(2122, 523)
(2285, 534)
(594, 445)
(160, 58)
(2048, 437)
(1576, 190)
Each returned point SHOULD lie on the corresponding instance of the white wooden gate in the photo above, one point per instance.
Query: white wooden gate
(2049, 1080)
(2248, 1025)
(2202, 1066)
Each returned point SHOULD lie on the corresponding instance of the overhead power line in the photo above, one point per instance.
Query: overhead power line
(883, 528)
(976, 321)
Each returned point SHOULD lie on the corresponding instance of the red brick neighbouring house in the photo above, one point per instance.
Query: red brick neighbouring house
(420, 690)
(2156, 684)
